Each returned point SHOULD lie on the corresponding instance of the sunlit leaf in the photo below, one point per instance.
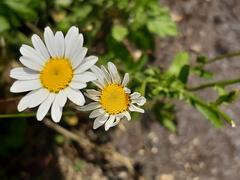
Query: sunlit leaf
(119, 32)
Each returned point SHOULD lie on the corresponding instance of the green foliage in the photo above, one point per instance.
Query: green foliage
(122, 31)
(227, 98)
(179, 61)
(119, 32)
(12, 135)
(165, 113)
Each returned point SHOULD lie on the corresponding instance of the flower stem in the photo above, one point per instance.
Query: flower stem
(217, 83)
(24, 115)
(228, 55)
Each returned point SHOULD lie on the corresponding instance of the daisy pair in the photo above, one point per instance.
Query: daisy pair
(56, 69)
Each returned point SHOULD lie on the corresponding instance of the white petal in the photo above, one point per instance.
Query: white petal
(96, 113)
(72, 31)
(88, 63)
(45, 106)
(21, 73)
(109, 122)
(59, 40)
(93, 92)
(23, 86)
(125, 79)
(99, 74)
(38, 97)
(90, 106)
(127, 115)
(50, 41)
(106, 75)
(116, 121)
(98, 84)
(127, 90)
(78, 57)
(61, 98)
(114, 72)
(75, 96)
(84, 77)
(40, 47)
(95, 98)
(77, 85)
(136, 109)
(31, 53)
(99, 121)
(139, 101)
(71, 39)
(135, 95)
(76, 46)
(56, 111)
(27, 100)
(30, 63)
(24, 102)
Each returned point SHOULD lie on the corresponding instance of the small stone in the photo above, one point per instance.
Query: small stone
(166, 177)
(196, 48)
(154, 150)
(141, 152)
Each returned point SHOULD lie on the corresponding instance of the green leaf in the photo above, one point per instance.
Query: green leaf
(162, 27)
(179, 61)
(4, 25)
(165, 114)
(202, 59)
(220, 90)
(201, 72)
(227, 98)
(207, 111)
(184, 73)
(169, 124)
(85, 11)
(227, 118)
(119, 32)
(21, 9)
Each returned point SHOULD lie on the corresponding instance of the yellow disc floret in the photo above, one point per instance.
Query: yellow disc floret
(56, 74)
(114, 99)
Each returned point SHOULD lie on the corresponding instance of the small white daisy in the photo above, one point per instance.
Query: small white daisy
(54, 70)
(114, 100)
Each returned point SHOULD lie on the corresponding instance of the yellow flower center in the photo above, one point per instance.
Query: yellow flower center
(56, 74)
(114, 99)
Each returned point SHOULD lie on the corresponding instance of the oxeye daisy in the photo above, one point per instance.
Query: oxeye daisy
(113, 100)
(54, 71)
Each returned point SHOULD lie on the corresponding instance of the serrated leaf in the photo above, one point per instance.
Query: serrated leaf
(119, 32)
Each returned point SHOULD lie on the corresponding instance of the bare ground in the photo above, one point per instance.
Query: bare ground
(196, 152)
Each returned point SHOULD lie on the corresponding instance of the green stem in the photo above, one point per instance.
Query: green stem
(217, 83)
(229, 55)
(24, 115)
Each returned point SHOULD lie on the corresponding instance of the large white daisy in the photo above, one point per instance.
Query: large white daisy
(114, 100)
(54, 70)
